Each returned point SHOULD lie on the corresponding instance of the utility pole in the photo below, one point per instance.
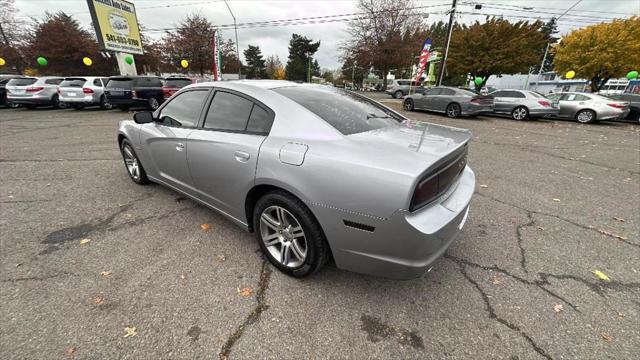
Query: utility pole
(235, 26)
(353, 74)
(446, 49)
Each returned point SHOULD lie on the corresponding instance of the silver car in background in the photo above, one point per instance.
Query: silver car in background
(400, 87)
(34, 91)
(453, 102)
(78, 92)
(315, 171)
(589, 108)
(523, 104)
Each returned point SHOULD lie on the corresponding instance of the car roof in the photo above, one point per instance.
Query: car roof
(240, 84)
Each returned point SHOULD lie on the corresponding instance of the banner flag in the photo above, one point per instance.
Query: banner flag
(423, 58)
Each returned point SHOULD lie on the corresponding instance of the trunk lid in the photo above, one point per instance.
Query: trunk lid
(411, 148)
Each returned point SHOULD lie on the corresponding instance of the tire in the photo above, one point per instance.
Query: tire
(453, 110)
(408, 105)
(123, 108)
(105, 104)
(586, 116)
(153, 103)
(55, 101)
(132, 163)
(398, 95)
(520, 113)
(306, 253)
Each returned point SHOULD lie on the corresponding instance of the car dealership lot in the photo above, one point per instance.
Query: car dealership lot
(555, 201)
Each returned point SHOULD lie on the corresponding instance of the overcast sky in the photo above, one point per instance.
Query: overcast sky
(274, 40)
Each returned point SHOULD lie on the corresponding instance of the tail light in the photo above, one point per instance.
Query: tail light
(438, 181)
(477, 101)
(616, 105)
(544, 103)
(87, 90)
(34, 89)
(134, 93)
(166, 91)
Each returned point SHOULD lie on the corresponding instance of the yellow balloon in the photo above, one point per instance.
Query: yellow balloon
(2, 62)
(184, 63)
(570, 74)
(87, 61)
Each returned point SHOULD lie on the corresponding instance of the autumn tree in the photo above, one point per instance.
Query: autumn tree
(494, 47)
(11, 35)
(255, 68)
(300, 51)
(273, 63)
(192, 40)
(63, 42)
(600, 52)
(230, 62)
(377, 38)
(351, 70)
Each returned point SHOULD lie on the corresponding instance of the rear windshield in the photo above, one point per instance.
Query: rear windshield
(21, 82)
(120, 83)
(148, 82)
(75, 82)
(349, 113)
(177, 82)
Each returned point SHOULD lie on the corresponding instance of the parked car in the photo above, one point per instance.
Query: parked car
(400, 88)
(452, 101)
(125, 92)
(32, 92)
(79, 92)
(523, 104)
(4, 79)
(634, 104)
(315, 171)
(172, 84)
(589, 108)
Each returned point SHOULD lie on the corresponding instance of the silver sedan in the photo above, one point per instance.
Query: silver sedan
(589, 108)
(523, 104)
(453, 102)
(316, 172)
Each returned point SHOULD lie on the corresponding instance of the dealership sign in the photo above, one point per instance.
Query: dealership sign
(116, 25)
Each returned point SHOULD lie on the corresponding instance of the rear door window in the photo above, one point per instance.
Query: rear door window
(433, 92)
(228, 112)
(447, 92)
(516, 94)
(96, 82)
(184, 109)
(148, 82)
(260, 120)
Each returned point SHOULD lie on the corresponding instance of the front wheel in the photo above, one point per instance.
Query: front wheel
(453, 110)
(132, 163)
(520, 113)
(289, 235)
(408, 105)
(586, 117)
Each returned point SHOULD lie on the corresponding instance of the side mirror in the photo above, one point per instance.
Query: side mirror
(143, 117)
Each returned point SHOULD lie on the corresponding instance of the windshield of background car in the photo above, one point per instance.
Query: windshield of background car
(21, 82)
(177, 82)
(120, 83)
(79, 82)
(349, 113)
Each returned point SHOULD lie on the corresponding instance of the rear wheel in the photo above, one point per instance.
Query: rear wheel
(520, 113)
(55, 101)
(153, 103)
(289, 235)
(132, 163)
(78, 107)
(408, 105)
(586, 116)
(453, 110)
(104, 103)
(398, 94)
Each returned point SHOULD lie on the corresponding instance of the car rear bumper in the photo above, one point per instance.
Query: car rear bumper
(30, 100)
(614, 115)
(403, 246)
(79, 100)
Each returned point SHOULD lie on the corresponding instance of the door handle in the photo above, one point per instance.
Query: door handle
(242, 156)
(179, 146)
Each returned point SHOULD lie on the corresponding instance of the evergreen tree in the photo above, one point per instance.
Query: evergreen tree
(315, 68)
(550, 29)
(300, 49)
(255, 68)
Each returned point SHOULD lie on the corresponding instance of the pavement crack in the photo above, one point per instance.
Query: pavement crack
(582, 226)
(595, 287)
(34, 278)
(523, 258)
(254, 315)
(537, 283)
(493, 315)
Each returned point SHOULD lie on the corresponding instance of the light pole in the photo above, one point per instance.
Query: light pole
(235, 26)
(446, 49)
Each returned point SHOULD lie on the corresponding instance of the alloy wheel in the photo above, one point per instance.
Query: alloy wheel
(520, 113)
(131, 161)
(453, 111)
(585, 117)
(153, 103)
(408, 105)
(283, 236)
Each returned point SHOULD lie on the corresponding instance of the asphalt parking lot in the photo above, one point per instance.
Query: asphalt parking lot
(87, 256)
